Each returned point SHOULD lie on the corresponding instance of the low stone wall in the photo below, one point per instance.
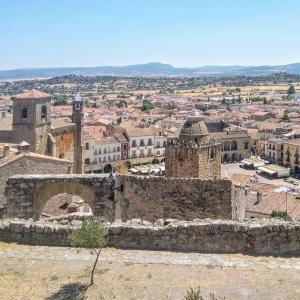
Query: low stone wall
(264, 236)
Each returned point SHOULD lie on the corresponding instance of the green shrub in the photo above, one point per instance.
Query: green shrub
(280, 214)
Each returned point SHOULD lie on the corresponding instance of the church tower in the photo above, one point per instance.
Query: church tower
(77, 118)
(31, 119)
(194, 154)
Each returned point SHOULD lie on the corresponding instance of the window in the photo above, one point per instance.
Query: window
(226, 146)
(44, 112)
(24, 113)
(61, 156)
(118, 148)
(133, 153)
(114, 149)
(165, 143)
(104, 150)
(133, 143)
(109, 158)
(99, 159)
(212, 153)
(118, 157)
(99, 151)
(233, 145)
(114, 157)
(149, 152)
(87, 161)
(87, 146)
(149, 142)
(104, 159)
(142, 153)
(142, 143)
(157, 144)
(246, 145)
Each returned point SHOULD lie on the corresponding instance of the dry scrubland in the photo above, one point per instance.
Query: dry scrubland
(57, 273)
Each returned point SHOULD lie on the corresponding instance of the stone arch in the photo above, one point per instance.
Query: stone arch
(155, 161)
(44, 112)
(226, 146)
(49, 190)
(233, 145)
(107, 168)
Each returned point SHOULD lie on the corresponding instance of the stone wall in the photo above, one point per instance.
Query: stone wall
(151, 198)
(27, 195)
(264, 236)
(187, 162)
(27, 164)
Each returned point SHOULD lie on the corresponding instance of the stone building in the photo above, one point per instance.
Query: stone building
(17, 159)
(291, 154)
(194, 153)
(236, 143)
(31, 122)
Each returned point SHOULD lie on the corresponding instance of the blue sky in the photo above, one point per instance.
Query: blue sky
(61, 33)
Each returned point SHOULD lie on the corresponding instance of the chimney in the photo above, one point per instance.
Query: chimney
(6, 150)
(3, 114)
(23, 147)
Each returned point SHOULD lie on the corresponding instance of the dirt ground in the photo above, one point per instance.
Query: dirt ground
(34, 272)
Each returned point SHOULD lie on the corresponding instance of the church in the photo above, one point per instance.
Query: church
(31, 122)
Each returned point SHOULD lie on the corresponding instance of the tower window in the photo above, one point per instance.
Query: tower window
(24, 113)
(212, 153)
(44, 112)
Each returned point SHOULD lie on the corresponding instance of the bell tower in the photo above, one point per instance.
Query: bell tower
(31, 119)
(77, 118)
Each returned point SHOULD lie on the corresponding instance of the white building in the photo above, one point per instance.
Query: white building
(141, 142)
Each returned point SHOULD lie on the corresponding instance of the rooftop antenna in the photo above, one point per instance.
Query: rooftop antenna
(77, 88)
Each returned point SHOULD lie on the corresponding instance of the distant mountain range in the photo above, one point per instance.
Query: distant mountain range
(150, 70)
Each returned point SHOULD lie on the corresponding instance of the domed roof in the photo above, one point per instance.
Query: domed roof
(194, 129)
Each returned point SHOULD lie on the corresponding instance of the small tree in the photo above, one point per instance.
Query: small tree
(91, 235)
(291, 90)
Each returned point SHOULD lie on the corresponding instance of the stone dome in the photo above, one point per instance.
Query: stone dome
(194, 130)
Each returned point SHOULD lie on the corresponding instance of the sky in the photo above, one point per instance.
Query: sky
(183, 33)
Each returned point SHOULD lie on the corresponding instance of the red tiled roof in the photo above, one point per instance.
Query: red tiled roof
(33, 94)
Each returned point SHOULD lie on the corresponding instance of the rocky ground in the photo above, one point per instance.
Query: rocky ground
(34, 272)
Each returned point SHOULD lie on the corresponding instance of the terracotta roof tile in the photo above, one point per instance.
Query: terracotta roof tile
(33, 94)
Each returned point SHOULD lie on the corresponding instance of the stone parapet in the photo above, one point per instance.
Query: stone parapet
(263, 236)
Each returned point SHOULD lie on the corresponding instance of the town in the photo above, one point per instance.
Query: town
(125, 124)
(149, 150)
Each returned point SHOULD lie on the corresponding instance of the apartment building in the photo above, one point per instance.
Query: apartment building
(141, 142)
(291, 152)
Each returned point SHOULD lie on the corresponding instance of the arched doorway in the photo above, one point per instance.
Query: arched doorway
(107, 168)
(155, 161)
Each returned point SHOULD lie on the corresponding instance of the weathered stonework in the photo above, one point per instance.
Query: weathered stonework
(149, 197)
(194, 154)
(187, 161)
(27, 195)
(266, 236)
(29, 164)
